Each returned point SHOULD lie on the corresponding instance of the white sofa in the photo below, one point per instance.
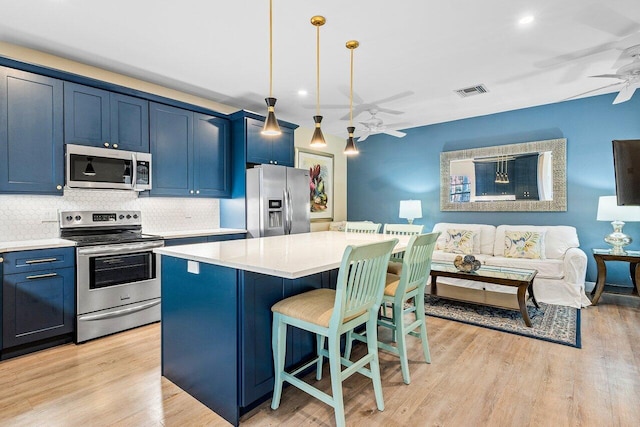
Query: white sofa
(561, 270)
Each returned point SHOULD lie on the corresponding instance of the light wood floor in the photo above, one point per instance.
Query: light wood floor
(477, 377)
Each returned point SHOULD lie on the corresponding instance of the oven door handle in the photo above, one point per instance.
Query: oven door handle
(119, 249)
(119, 313)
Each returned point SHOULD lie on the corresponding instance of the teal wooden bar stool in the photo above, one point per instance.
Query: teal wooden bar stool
(399, 290)
(329, 314)
(395, 264)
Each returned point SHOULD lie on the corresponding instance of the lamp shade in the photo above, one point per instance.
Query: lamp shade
(608, 210)
(410, 209)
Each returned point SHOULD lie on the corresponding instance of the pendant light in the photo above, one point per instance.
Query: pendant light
(317, 140)
(351, 148)
(271, 127)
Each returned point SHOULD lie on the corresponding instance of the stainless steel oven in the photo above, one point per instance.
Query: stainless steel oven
(117, 273)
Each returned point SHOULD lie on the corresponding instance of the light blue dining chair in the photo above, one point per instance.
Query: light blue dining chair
(405, 295)
(362, 227)
(329, 314)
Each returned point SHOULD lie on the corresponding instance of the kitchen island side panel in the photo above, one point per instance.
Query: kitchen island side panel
(200, 333)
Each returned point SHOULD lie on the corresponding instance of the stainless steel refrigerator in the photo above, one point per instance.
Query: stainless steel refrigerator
(278, 201)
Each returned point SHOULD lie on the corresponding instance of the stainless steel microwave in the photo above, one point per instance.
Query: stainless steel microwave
(94, 167)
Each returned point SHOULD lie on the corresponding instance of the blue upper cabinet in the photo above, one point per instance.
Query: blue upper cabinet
(86, 115)
(276, 150)
(129, 123)
(101, 118)
(171, 135)
(212, 156)
(191, 153)
(31, 133)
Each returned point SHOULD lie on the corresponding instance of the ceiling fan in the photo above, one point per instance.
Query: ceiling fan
(361, 106)
(375, 125)
(628, 74)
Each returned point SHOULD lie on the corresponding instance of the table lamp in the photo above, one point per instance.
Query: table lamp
(410, 209)
(608, 210)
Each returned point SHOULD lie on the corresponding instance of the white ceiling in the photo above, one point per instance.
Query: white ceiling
(219, 50)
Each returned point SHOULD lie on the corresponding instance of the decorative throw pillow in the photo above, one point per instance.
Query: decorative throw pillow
(459, 241)
(524, 244)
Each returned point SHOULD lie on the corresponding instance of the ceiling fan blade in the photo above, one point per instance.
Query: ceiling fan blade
(347, 92)
(398, 125)
(395, 133)
(593, 90)
(364, 136)
(394, 97)
(388, 111)
(606, 19)
(626, 93)
(611, 76)
(356, 111)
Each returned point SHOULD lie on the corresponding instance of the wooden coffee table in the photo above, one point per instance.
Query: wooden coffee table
(516, 277)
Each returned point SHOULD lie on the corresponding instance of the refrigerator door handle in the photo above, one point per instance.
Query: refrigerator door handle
(285, 219)
(288, 212)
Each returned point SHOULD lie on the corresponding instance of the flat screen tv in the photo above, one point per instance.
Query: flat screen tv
(626, 164)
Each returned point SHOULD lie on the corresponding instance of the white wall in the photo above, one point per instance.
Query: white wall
(335, 146)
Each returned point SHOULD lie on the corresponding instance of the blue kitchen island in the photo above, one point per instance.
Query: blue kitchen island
(216, 311)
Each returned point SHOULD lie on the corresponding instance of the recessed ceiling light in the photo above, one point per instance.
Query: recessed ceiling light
(526, 20)
(302, 92)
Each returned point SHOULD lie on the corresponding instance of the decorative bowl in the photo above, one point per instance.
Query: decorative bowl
(467, 264)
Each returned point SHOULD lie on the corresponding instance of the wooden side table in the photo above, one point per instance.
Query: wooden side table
(602, 255)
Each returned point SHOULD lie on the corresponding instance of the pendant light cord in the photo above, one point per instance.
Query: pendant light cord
(270, 48)
(351, 92)
(317, 70)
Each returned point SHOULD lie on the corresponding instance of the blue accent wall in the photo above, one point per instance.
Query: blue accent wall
(390, 169)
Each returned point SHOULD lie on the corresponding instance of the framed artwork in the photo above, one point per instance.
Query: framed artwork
(320, 167)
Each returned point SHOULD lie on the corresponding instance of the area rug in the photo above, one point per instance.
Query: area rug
(553, 323)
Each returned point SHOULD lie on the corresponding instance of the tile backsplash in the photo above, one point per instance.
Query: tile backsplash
(26, 217)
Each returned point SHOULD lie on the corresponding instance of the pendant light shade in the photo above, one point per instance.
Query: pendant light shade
(317, 140)
(351, 148)
(271, 127)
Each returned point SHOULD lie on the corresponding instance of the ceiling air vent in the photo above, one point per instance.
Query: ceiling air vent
(470, 91)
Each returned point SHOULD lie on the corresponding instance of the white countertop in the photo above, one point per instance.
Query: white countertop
(291, 256)
(25, 245)
(195, 233)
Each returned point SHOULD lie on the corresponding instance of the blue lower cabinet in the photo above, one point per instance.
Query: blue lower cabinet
(38, 299)
(203, 239)
(199, 333)
(216, 332)
(185, 241)
(224, 237)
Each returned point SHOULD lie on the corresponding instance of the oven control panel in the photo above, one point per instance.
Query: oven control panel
(97, 219)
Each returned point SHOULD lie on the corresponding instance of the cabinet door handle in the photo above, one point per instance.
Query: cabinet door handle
(106, 144)
(275, 162)
(115, 145)
(197, 191)
(191, 191)
(42, 276)
(58, 187)
(1, 259)
(40, 261)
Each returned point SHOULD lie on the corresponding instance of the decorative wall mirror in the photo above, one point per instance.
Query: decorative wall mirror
(530, 176)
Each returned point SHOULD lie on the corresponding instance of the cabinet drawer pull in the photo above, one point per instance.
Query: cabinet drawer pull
(39, 261)
(42, 276)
